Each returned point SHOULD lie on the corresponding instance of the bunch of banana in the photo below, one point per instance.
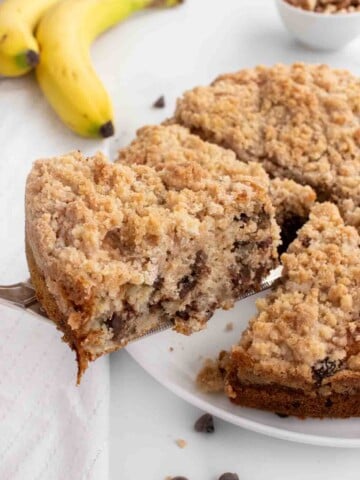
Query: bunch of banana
(19, 51)
(61, 53)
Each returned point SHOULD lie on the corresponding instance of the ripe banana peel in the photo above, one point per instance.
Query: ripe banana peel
(65, 72)
(19, 50)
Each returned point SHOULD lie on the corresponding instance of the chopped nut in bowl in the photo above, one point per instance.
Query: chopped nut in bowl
(314, 22)
(327, 6)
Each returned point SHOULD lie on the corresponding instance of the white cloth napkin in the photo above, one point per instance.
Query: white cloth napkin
(50, 429)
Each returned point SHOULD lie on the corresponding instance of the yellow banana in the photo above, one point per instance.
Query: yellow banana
(19, 50)
(65, 72)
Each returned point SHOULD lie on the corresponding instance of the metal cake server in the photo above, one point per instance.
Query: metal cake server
(21, 296)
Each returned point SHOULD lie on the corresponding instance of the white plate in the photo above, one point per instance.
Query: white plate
(177, 369)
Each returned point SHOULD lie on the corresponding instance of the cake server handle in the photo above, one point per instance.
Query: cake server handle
(22, 296)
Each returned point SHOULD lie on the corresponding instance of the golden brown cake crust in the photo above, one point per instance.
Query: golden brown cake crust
(292, 402)
(49, 304)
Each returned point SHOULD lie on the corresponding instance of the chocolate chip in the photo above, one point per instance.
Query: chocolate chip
(241, 218)
(200, 263)
(179, 478)
(263, 219)
(240, 277)
(198, 268)
(296, 404)
(183, 314)
(244, 247)
(324, 368)
(306, 242)
(159, 282)
(282, 415)
(119, 321)
(185, 285)
(265, 243)
(160, 102)
(328, 403)
(205, 424)
(229, 476)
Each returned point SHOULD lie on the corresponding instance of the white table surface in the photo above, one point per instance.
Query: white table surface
(166, 53)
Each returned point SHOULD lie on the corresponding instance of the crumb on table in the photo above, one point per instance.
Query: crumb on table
(229, 327)
(181, 443)
(210, 379)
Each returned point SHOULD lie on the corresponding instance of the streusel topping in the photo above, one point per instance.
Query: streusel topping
(300, 121)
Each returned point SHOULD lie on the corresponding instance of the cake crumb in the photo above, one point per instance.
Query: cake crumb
(210, 379)
(229, 327)
(181, 443)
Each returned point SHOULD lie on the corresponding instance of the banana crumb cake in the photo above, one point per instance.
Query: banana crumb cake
(115, 250)
(300, 121)
(301, 354)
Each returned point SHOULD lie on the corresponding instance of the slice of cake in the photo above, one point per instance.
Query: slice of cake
(301, 122)
(115, 251)
(301, 354)
(165, 148)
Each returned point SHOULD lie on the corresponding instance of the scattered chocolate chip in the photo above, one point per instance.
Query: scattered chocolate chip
(160, 102)
(325, 368)
(328, 403)
(205, 424)
(229, 476)
(178, 478)
(282, 415)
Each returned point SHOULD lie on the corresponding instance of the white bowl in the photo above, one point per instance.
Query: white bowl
(320, 30)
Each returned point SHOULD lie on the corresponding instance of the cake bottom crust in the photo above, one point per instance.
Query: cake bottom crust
(286, 401)
(48, 303)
